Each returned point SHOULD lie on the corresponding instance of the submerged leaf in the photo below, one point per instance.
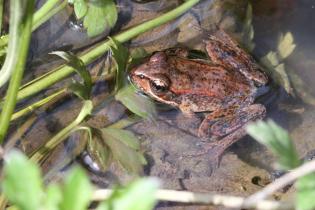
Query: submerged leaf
(99, 151)
(277, 140)
(127, 156)
(82, 90)
(286, 45)
(285, 81)
(277, 70)
(272, 58)
(126, 137)
(120, 54)
(138, 104)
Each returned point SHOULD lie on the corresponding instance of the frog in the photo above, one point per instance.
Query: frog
(224, 87)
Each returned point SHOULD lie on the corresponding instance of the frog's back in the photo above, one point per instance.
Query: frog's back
(198, 78)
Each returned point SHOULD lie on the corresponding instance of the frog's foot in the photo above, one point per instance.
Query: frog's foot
(223, 122)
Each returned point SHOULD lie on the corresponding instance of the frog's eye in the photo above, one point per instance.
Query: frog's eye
(141, 76)
(158, 88)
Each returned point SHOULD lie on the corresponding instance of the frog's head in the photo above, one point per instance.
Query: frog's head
(151, 77)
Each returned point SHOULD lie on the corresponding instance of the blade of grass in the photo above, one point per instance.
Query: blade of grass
(24, 29)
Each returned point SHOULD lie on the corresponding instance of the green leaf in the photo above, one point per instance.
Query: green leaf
(272, 58)
(139, 195)
(99, 151)
(285, 81)
(77, 191)
(22, 183)
(277, 140)
(136, 103)
(128, 157)
(82, 90)
(277, 70)
(137, 55)
(286, 45)
(79, 90)
(126, 137)
(53, 197)
(80, 8)
(305, 192)
(100, 15)
(121, 55)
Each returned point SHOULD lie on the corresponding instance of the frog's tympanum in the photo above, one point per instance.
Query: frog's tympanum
(224, 88)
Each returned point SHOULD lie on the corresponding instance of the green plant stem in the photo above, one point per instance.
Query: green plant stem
(39, 155)
(37, 104)
(25, 26)
(53, 97)
(1, 15)
(42, 12)
(41, 17)
(64, 71)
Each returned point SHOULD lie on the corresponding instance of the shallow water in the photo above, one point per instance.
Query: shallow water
(165, 141)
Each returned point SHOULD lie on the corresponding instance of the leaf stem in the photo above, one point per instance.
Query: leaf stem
(39, 155)
(64, 71)
(24, 29)
(1, 15)
(46, 12)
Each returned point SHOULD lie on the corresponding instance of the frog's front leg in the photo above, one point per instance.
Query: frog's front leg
(222, 122)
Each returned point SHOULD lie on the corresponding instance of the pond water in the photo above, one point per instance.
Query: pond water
(165, 140)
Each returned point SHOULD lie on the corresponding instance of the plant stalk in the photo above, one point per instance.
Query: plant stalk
(41, 17)
(24, 26)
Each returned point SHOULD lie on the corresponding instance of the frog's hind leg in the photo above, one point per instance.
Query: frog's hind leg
(225, 127)
(222, 122)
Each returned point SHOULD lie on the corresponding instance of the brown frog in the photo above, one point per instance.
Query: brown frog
(224, 88)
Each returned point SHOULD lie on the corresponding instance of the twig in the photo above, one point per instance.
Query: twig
(202, 198)
(281, 182)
